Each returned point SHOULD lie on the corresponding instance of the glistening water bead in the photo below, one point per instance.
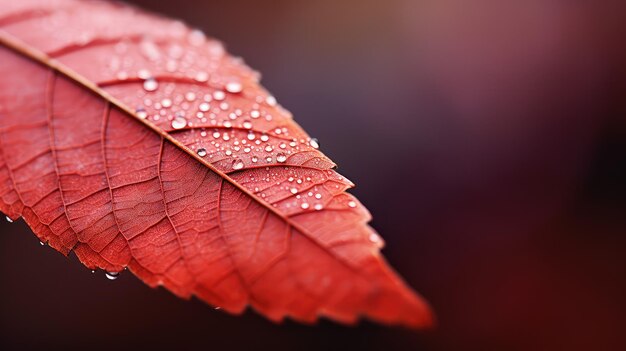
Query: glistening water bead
(234, 87)
(112, 275)
(150, 84)
(237, 164)
(314, 143)
(280, 157)
(202, 152)
(8, 219)
(179, 123)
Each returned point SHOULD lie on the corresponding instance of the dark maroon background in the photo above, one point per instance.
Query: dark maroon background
(488, 139)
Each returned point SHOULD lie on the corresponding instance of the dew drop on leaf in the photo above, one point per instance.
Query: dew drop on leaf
(112, 275)
(280, 157)
(141, 112)
(374, 238)
(270, 100)
(352, 204)
(237, 164)
(179, 123)
(201, 77)
(150, 84)
(234, 87)
(204, 107)
(8, 219)
(202, 152)
(314, 143)
(219, 95)
(143, 74)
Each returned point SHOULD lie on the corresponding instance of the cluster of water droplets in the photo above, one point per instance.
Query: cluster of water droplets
(196, 86)
(293, 190)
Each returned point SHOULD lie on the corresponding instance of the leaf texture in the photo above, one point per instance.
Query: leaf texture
(139, 143)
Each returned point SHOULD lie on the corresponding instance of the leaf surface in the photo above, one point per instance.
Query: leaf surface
(138, 143)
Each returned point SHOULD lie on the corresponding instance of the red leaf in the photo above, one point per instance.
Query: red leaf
(137, 142)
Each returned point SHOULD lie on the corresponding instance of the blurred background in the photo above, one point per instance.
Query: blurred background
(488, 139)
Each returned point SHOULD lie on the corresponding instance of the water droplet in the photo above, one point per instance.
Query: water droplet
(122, 75)
(352, 204)
(234, 87)
(255, 114)
(196, 37)
(280, 157)
(264, 137)
(255, 159)
(190, 96)
(112, 275)
(8, 219)
(143, 74)
(201, 76)
(304, 205)
(251, 136)
(150, 84)
(219, 95)
(204, 107)
(314, 143)
(166, 103)
(375, 238)
(237, 164)
(247, 124)
(269, 148)
(270, 100)
(318, 207)
(294, 191)
(141, 112)
(202, 152)
(179, 123)
(318, 196)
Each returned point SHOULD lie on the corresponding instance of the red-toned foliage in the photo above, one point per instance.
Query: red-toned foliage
(136, 142)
